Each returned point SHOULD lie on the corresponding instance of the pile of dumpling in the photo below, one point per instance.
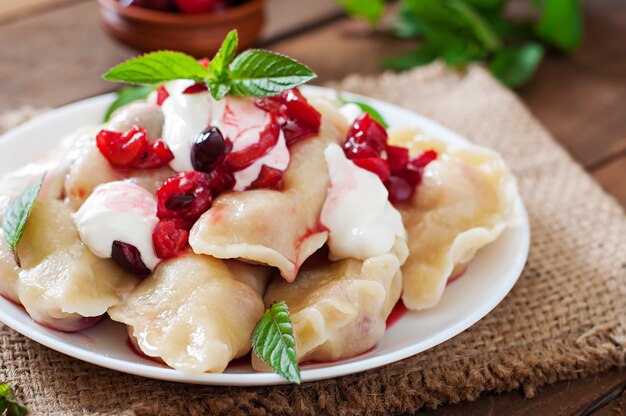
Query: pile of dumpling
(196, 312)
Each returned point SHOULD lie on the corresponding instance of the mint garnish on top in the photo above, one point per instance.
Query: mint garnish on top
(17, 214)
(273, 342)
(254, 73)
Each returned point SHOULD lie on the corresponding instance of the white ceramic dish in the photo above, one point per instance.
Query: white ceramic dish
(489, 277)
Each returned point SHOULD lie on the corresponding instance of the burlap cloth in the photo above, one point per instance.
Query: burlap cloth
(564, 318)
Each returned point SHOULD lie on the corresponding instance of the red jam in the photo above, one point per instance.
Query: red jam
(185, 196)
(170, 237)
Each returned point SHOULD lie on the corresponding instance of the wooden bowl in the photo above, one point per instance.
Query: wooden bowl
(199, 35)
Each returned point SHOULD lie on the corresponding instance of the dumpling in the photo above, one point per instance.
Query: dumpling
(466, 199)
(276, 228)
(61, 284)
(90, 168)
(339, 309)
(194, 313)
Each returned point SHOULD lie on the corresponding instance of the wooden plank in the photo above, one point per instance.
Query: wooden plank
(612, 177)
(569, 398)
(65, 64)
(16, 9)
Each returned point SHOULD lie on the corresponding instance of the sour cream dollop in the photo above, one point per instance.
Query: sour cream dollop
(118, 211)
(361, 221)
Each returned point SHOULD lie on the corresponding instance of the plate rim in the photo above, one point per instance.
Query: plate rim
(258, 379)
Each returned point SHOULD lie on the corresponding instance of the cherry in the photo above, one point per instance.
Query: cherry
(128, 258)
(375, 165)
(131, 149)
(402, 184)
(399, 189)
(163, 5)
(208, 147)
(269, 178)
(299, 119)
(185, 196)
(366, 132)
(421, 161)
(222, 179)
(162, 95)
(397, 157)
(197, 6)
(245, 157)
(354, 150)
(195, 88)
(123, 149)
(169, 237)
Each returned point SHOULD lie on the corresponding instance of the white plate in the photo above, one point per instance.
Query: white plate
(489, 277)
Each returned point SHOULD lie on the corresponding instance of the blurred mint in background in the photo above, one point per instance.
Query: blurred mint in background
(462, 31)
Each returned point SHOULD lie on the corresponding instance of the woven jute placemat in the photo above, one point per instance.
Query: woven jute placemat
(564, 318)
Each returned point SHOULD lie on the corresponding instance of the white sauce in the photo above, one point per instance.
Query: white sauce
(361, 221)
(350, 112)
(239, 119)
(119, 211)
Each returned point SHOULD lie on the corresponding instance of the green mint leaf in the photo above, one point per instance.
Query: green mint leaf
(477, 24)
(408, 24)
(218, 89)
(17, 214)
(370, 10)
(422, 56)
(561, 24)
(515, 66)
(157, 67)
(273, 342)
(262, 73)
(127, 95)
(8, 403)
(223, 57)
(487, 4)
(366, 108)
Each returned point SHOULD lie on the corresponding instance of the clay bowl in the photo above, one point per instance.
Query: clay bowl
(198, 35)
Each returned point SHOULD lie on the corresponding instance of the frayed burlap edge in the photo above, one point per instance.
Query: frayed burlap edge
(563, 320)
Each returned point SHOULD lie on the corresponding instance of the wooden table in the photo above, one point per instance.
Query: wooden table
(52, 52)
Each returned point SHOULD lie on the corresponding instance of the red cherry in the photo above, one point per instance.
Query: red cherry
(243, 158)
(375, 165)
(122, 150)
(269, 178)
(397, 157)
(197, 6)
(163, 5)
(195, 88)
(208, 147)
(222, 179)
(162, 95)
(299, 120)
(354, 150)
(399, 189)
(185, 196)
(169, 238)
(421, 161)
(159, 155)
(367, 130)
(128, 258)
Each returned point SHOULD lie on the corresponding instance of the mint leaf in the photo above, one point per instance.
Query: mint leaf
(157, 67)
(366, 108)
(515, 66)
(262, 73)
(218, 82)
(127, 95)
(422, 56)
(273, 342)
(370, 10)
(17, 214)
(8, 403)
(561, 24)
(218, 89)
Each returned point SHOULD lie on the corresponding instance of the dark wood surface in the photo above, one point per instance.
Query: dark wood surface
(53, 51)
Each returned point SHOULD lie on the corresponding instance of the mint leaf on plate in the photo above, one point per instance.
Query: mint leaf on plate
(127, 95)
(157, 67)
(17, 214)
(274, 343)
(261, 73)
(366, 108)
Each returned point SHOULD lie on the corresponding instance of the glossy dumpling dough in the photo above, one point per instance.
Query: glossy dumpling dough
(90, 169)
(194, 313)
(465, 201)
(339, 309)
(61, 283)
(277, 228)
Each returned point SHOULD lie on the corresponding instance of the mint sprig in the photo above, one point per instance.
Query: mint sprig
(8, 405)
(365, 108)
(274, 343)
(254, 73)
(17, 214)
(127, 95)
